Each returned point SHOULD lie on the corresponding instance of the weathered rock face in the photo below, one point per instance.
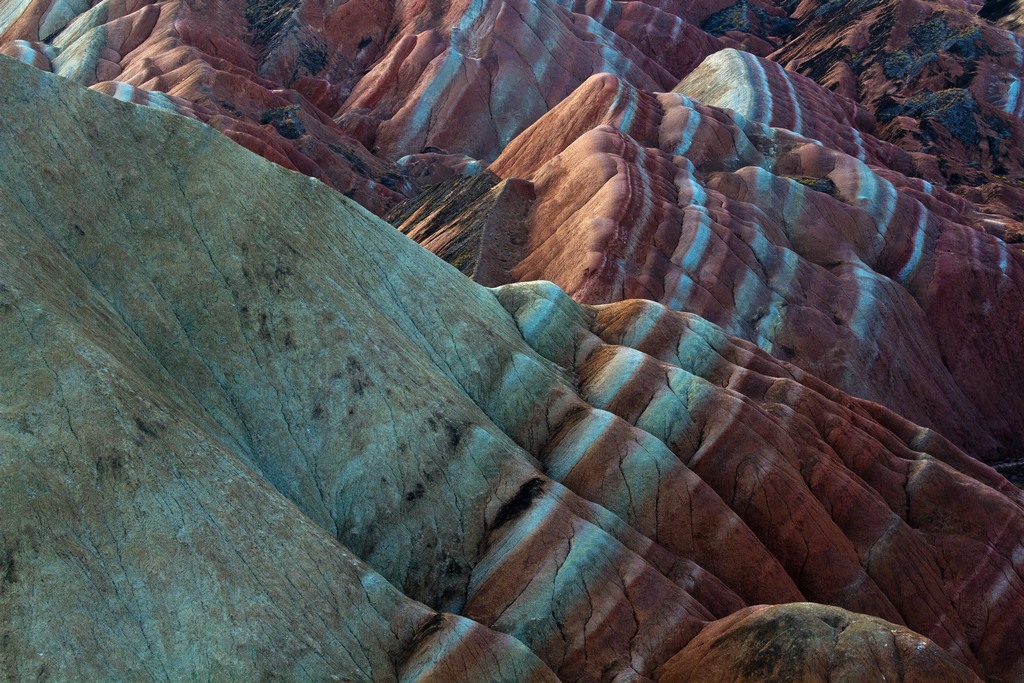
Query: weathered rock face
(134, 514)
(343, 91)
(944, 82)
(819, 247)
(382, 98)
(483, 71)
(248, 429)
(805, 642)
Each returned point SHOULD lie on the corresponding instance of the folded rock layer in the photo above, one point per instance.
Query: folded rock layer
(813, 242)
(374, 97)
(943, 79)
(249, 429)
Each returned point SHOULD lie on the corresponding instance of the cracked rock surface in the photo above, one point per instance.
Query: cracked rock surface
(805, 642)
(248, 429)
(778, 217)
(379, 97)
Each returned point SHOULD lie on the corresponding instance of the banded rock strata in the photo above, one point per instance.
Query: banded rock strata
(249, 429)
(941, 78)
(822, 248)
(375, 98)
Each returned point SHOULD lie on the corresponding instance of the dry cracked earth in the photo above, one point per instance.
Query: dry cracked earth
(512, 340)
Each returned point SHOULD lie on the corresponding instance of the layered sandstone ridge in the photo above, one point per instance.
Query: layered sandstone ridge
(809, 643)
(380, 98)
(374, 97)
(942, 78)
(250, 429)
(139, 536)
(815, 240)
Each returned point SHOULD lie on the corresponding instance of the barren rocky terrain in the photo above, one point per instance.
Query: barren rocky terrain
(511, 340)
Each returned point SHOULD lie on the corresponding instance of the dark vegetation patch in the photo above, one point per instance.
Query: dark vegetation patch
(359, 380)
(824, 185)
(935, 35)
(994, 10)
(747, 18)
(357, 164)
(313, 58)
(285, 120)
(267, 18)
(109, 466)
(392, 180)
(263, 333)
(927, 41)
(418, 492)
(453, 567)
(954, 108)
(147, 427)
(734, 18)
(232, 109)
(902, 65)
(1014, 471)
(453, 433)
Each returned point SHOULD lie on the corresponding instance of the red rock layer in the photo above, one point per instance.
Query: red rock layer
(343, 91)
(945, 82)
(809, 643)
(596, 484)
(830, 486)
(881, 284)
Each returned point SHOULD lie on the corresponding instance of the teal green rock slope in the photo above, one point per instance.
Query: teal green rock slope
(249, 431)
